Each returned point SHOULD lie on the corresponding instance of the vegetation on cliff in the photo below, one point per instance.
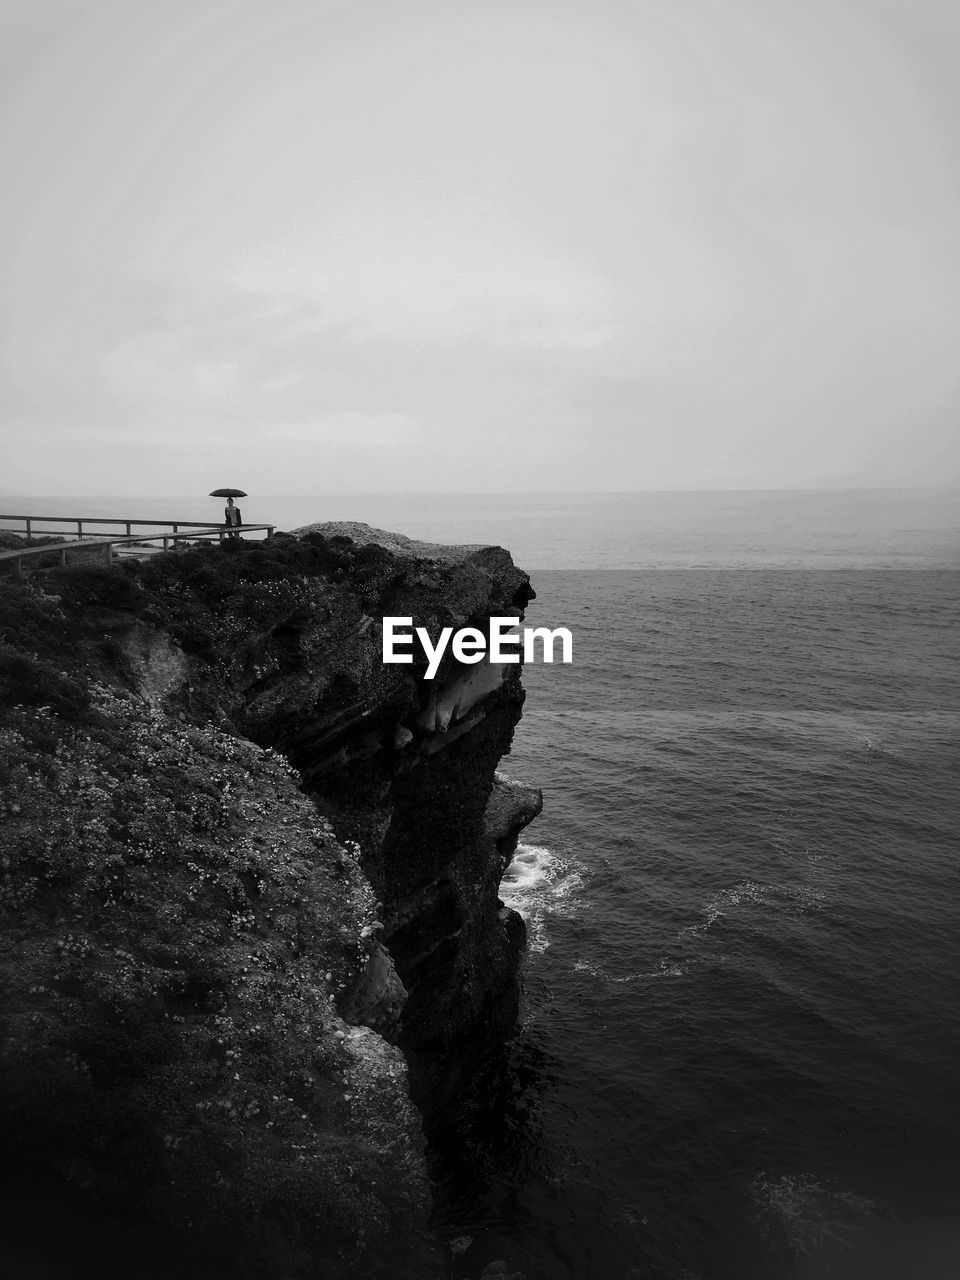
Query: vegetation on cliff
(180, 927)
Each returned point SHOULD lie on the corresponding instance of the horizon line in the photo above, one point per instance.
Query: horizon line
(953, 486)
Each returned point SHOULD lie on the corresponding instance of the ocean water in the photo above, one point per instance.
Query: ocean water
(743, 901)
(740, 1057)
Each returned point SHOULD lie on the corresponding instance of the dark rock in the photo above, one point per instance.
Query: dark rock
(500, 1270)
(199, 999)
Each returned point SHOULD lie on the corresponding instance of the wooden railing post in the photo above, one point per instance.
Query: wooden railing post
(36, 556)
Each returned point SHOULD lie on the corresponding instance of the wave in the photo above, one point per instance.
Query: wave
(882, 748)
(667, 969)
(799, 1214)
(799, 898)
(539, 883)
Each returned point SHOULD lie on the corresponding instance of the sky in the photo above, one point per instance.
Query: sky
(370, 246)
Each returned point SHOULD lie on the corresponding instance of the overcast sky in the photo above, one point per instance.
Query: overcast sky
(379, 245)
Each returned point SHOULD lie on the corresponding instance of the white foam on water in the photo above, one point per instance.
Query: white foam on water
(879, 747)
(539, 883)
(667, 969)
(528, 869)
(804, 1215)
(816, 858)
(798, 898)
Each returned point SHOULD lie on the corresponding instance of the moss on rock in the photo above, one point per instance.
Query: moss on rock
(178, 924)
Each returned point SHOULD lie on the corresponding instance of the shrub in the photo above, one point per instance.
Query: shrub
(83, 585)
(27, 680)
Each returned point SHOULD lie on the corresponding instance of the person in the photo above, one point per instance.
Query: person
(232, 517)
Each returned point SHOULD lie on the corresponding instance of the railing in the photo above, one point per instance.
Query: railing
(89, 540)
(29, 523)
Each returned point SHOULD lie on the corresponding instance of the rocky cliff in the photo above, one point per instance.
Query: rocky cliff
(252, 938)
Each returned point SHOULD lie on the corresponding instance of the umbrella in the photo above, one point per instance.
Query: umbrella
(227, 493)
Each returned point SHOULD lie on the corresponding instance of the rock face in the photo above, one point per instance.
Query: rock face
(407, 769)
(212, 959)
(417, 783)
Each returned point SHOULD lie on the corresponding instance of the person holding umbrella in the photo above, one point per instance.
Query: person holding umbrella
(231, 513)
(232, 516)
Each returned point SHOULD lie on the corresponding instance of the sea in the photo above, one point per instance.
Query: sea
(740, 1052)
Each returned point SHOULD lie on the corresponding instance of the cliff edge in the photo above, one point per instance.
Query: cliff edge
(252, 939)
